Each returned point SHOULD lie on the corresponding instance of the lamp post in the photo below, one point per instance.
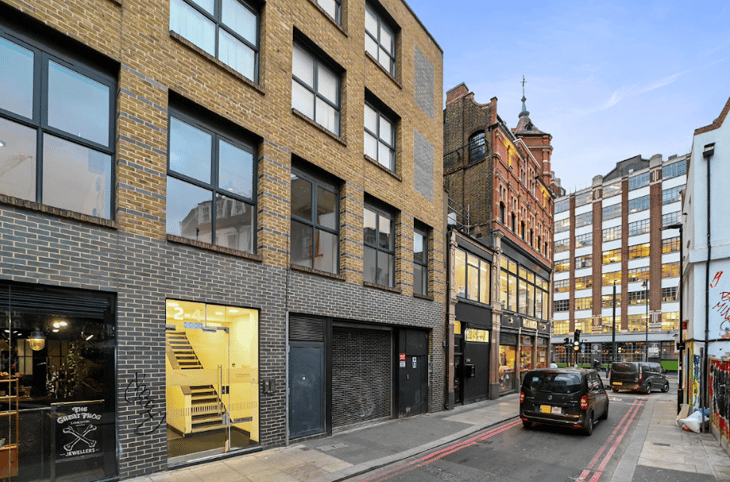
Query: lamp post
(680, 387)
(645, 284)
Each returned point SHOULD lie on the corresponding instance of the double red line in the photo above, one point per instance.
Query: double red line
(434, 456)
(610, 446)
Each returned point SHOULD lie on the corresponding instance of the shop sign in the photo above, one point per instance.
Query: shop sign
(531, 324)
(77, 431)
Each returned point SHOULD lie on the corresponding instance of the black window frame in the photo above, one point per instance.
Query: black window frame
(217, 18)
(561, 305)
(383, 20)
(390, 116)
(376, 246)
(477, 147)
(424, 231)
(219, 129)
(317, 181)
(82, 61)
(319, 58)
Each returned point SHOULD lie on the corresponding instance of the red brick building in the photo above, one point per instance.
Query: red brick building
(499, 185)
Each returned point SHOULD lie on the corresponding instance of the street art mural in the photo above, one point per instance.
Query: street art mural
(719, 302)
(693, 377)
(719, 386)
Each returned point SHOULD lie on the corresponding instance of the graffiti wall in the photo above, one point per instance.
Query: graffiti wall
(719, 303)
(719, 386)
(694, 376)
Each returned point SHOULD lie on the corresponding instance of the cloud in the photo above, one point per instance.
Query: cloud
(630, 91)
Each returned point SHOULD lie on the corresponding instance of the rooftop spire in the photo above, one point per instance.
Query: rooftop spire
(525, 112)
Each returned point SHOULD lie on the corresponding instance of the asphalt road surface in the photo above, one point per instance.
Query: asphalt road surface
(509, 452)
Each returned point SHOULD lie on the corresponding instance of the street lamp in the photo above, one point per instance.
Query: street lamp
(680, 388)
(645, 284)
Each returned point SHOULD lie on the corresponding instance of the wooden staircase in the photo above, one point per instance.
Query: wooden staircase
(206, 409)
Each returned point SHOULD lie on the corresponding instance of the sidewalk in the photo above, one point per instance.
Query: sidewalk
(658, 450)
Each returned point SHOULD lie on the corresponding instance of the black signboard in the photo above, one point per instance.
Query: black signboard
(78, 430)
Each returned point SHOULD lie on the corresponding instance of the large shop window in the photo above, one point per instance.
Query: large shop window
(212, 366)
(314, 222)
(56, 127)
(57, 386)
(379, 247)
(472, 276)
(226, 29)
(316, 88)
(210, 183)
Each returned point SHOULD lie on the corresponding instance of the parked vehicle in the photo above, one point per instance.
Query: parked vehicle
(638, 376)
(568, 397)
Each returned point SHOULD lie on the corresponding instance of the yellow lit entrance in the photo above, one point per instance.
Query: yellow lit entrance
(212, 354)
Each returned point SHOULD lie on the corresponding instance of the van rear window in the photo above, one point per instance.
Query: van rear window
(553, 382)
(624, 367)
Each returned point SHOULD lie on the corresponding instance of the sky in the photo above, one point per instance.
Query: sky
(609, 80)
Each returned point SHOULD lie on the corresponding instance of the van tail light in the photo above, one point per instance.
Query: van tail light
(584, 402)
(522, 397)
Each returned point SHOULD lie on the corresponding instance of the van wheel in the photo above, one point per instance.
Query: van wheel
(648, 387)
(589, 424)
(665, 388)
(528, 425)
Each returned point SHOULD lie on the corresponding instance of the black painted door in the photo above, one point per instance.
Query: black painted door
(306, 383)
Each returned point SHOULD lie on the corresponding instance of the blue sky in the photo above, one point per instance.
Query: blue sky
(609, 80)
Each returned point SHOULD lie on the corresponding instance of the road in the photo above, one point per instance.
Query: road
(508, 452)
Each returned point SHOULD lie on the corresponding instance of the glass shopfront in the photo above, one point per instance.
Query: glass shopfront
(212, 379)
(525, 355)
(541, 353)
(57, 384)
(507, 360)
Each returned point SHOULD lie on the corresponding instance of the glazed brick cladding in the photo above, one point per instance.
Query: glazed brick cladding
(131, 254)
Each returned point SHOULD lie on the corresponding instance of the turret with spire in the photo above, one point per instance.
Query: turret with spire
(536, 140)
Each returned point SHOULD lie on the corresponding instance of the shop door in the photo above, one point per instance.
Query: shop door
(476, 368)
(413, 386)
(306, 382)
(212, 384)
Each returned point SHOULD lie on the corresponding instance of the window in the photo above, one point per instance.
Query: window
(637, 322)
(640, 180)
(314, 222)
(562, 205)
(561, 305)
(638, 297)
(379, 247)
(607, 301)
(669, 294)
(609, 278)
(562, 286)
(333, 8)
(607, 322)
(379, 40)
(639, 251)
(612, 234)
(612, 256)
(583, 219)
(583, 198)
(380, 136)
(674, 170)
(670, 270)
(671, 218)
(584, 240)
(501, 213)
(583, 303)
(226, 29)
(522, 229)
(58, 139)
(477, 147)
(508, 280)
(611, 190)
(584, 261)
(561, 327)
(562, 225)
(514, 223)
(315, 89)
(210, 182)
(472, 276)
(670, 320)
(562, 245)
(611, 212)
(584, 325)
(673, 194)
(583, 282)
(561, 266)
(638, 274)
(420, 261)
(639, 204)
(639, 227)
(670, 245)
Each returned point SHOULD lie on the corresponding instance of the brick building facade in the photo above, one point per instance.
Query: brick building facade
(188, 191)
(498, 182)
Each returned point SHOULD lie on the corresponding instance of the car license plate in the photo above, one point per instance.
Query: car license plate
(617, 383)
(551, 409)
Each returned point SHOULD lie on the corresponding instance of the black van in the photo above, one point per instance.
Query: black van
(638, 376)
(569, 397)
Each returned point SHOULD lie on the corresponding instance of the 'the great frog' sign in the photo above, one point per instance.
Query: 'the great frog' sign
(78, 431)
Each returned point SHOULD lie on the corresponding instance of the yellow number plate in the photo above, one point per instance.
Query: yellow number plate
(545, 408)
(617, 383)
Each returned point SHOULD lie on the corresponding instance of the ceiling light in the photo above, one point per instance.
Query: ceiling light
(172, 303)
(37, 340)
(63, 323)
(89, 337)
(231, 310)
(55, 330)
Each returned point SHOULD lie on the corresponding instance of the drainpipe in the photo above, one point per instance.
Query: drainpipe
(707, 153)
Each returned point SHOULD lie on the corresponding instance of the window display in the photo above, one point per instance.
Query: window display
(507, 355)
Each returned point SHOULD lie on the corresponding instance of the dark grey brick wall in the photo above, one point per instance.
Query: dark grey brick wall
(423, 165)
(423, 82)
